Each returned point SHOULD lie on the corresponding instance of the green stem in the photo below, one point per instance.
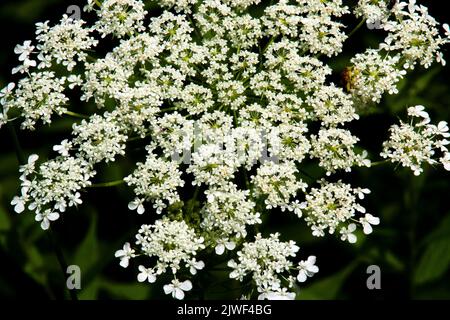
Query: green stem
(307, 174)
(169, 109)
(196, 29)
(360, 24)
(378, 163)
(271, 40)
(107, 184)
(76, 115)
(57, 250)
(19, 152)
(61, 260)
(138, 138)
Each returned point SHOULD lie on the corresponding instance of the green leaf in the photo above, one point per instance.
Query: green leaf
(328, 288)
(90, 292)
(87, 253)
(434, 262)
(35, 266)
(5, 222)
(442, 231)
(393, 261)
(131, 291)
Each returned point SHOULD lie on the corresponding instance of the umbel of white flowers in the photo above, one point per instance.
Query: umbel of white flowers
(213, 69)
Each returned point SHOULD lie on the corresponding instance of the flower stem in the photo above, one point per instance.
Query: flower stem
(76, 115)
(57, 250)
(107, 184)
(169, 109)
(378, 163)
(360, 24)
(61, 260)
(19, 152)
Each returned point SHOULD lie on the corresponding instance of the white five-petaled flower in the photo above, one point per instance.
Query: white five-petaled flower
(442, 129)
(221, 246)
(347, 233)
(6, 91)
(63, 148)
(440, 58)
(195, 265)
(24, 50)
(28, 168)
(368, 221)
(177, 288)
(307, 268)
(125, 254)
(362, 192)
(277, 295)
(138, 205)
(75, 200)
(445, 160)
(418, 111)
(446, 29)
(45, 218)
(19, 202)
(146, 274)
(412, 6)
(24, 67)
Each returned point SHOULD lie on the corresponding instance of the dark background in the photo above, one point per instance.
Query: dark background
(411, 246)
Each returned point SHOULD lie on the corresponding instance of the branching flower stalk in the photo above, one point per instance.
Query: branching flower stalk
(232, 104)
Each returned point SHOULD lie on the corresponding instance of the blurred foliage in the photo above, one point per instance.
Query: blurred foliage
(411, 246)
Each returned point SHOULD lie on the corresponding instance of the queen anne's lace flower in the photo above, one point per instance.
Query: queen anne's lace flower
(38, 97)
(174, 244)
(65, 43)
(99, 139)
(332, 106)
(415, 143)
(155, 180)
(375, 12)
(278, 183)
(267, 261)
(331, 206)
(235, 102)
(120, 17)
(414, 33)
(372, 75)
(226, 214)
(335, 150)
(53, 186)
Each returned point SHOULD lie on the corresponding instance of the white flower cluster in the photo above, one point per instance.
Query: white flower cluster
(65, 43)
(413, 38)
(155, 180)
(375, 12)
(99, 139)
(234, 103)
(267, 261)
(226, 214)
(278, 183)
(415, 34)
(334, 205)
(51, 188)
(312, 22)
(335, 150)
(373, 75)
(417, 142)
(174, 245)
(120, 17)
(38, 97)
